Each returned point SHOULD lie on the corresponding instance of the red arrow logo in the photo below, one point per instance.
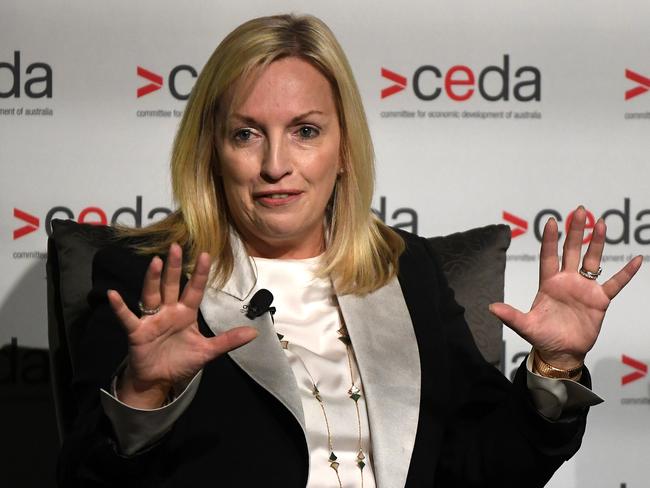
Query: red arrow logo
(32, 223)
(641, 370)
(394, 77)
(637, 90)
(521, 224)
(156, 82)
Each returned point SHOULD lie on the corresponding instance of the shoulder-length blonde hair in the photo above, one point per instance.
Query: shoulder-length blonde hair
(362, 252)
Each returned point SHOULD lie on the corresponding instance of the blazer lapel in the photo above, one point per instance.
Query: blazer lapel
(262, 358)
(384, 344)
(386, 350)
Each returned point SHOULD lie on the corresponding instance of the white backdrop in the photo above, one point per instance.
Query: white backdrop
(76, 140)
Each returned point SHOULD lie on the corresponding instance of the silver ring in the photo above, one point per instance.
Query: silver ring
(148, 311)
(590, 275)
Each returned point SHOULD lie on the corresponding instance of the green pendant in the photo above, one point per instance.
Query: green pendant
(354, 392)
(360, 458)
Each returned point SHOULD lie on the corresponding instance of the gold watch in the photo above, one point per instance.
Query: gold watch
(543, 368)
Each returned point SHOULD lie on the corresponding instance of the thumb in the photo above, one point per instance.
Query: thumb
(231, 339)
(510, 316)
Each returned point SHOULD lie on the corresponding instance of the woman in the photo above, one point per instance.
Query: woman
(367, 374)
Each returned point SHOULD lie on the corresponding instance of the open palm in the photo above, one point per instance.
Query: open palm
(567, 313)
(166, 347)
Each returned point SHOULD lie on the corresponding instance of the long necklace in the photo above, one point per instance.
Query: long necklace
(354, 393)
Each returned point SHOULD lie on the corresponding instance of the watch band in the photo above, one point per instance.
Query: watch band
(543, 368)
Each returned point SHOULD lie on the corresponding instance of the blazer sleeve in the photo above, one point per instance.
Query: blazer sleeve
(136, 429)
(216, 441)
(492, 433)
(90, 454)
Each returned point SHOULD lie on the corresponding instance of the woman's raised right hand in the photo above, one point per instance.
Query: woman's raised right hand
(167, 348)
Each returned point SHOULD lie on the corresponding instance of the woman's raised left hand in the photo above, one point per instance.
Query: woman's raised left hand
(566, 316)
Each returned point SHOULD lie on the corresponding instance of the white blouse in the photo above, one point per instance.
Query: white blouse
(308, 317)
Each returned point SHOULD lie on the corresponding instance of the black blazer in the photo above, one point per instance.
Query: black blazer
(446, 419)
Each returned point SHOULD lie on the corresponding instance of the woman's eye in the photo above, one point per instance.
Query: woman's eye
(243, 135)
(308, 132)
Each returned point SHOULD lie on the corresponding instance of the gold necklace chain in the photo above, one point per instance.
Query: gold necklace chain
(354, 393)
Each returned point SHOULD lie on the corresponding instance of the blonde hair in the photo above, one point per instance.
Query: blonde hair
(362, 252)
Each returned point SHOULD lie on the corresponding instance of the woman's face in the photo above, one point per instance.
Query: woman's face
(279, 159)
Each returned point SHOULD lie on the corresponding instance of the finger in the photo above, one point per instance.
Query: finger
(573, 241)
(150, 296)
(548, 261)
(229, 340)
(128, 319)
(617, 282)
(172, 275)
(511, 317)
(193, 292)
(591, 261)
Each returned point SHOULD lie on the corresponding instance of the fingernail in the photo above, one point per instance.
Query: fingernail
(173, 257)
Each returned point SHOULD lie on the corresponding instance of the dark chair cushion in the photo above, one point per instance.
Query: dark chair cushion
(474, 262)
(71, 250)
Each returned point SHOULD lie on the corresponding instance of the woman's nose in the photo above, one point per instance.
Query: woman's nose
(276, 162)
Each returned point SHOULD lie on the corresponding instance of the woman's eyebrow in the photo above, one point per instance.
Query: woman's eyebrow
(298, 118)
(243, 118)
(247, 119)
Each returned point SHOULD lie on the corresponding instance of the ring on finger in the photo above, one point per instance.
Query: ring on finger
(148, 311)
(590, 275)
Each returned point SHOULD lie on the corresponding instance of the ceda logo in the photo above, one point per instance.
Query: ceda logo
(154, 81)
(624, 225)
(28, 223)
(459, 82)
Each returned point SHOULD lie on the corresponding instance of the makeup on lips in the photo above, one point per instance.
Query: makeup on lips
(276, 198)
